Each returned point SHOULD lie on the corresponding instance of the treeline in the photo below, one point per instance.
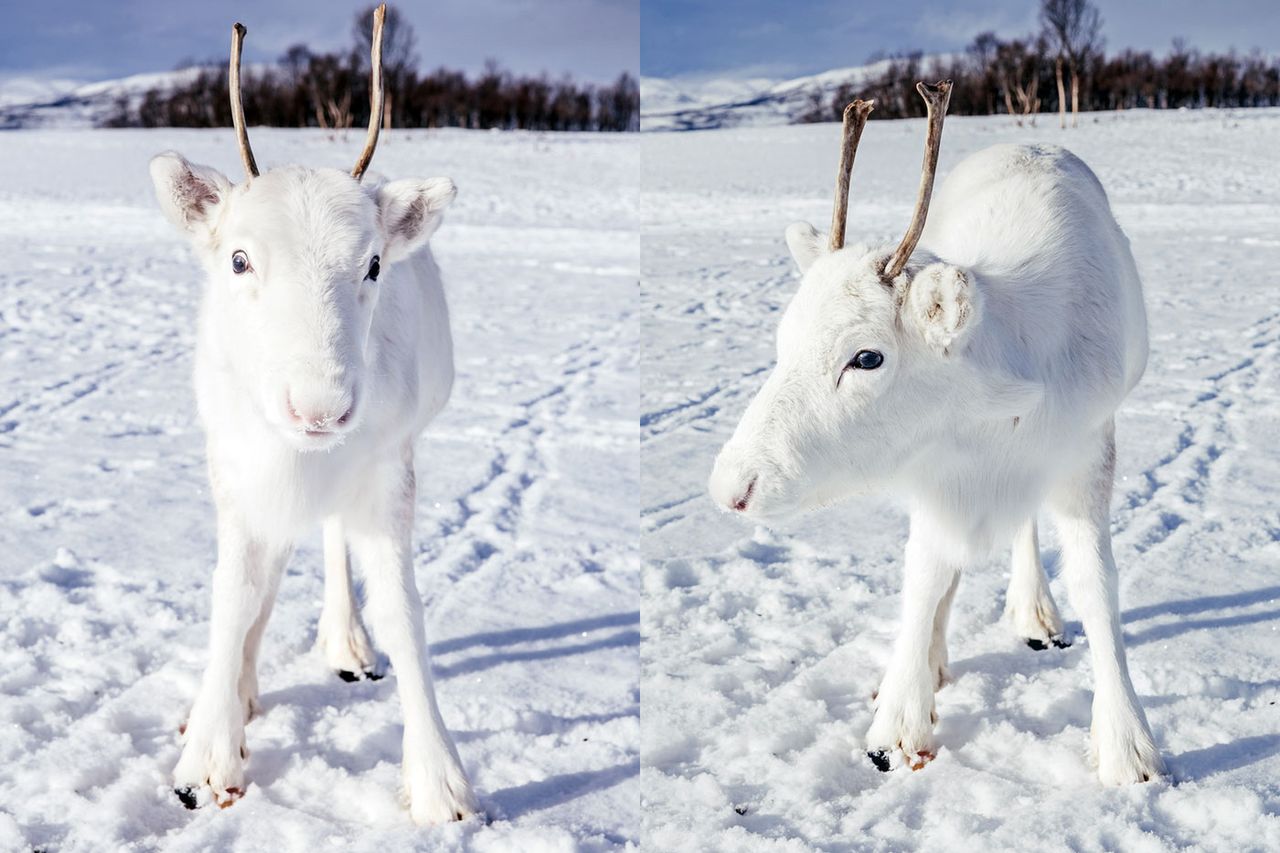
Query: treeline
(1061, 69)
(331, 91)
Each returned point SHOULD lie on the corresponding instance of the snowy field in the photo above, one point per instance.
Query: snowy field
(762, 647)
(526, 533)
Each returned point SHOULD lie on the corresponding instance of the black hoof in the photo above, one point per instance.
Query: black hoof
(880, 758)
(1060, 642)
(1037, 645)
(187, 797)
(349, 676)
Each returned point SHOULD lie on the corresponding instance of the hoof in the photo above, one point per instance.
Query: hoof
(920, 759)
(880, 758)
(1058, 641)
(364, 675)
(187, 797)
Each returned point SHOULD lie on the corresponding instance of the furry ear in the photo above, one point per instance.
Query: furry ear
(411, 211)
(188, 194)
(944, 305)
(806, 244)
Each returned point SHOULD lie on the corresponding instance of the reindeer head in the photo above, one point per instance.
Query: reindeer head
(871, 363)
(296, 259)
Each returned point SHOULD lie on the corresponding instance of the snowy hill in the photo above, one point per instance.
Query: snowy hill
(27, 102)
(701, 104)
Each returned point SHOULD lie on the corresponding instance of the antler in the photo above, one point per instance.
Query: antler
(237, 107)
(936, 98)
(375, 95)
(855, 119)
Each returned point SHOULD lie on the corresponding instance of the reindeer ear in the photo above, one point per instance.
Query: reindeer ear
(410, 211)
(806, 244)
(944, 305)
(188, 194)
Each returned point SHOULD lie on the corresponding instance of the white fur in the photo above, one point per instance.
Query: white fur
(1009, 341)
(313, 383)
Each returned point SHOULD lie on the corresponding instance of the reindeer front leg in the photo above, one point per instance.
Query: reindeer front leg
(244, 581)
(904, 717)
(1122, 745)
(436, 785)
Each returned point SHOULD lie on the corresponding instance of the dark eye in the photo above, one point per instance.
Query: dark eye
(865, 359)
(374, 269)
(239, 262)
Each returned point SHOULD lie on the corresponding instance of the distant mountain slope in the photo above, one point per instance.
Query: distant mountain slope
(699, 105)
(32, 102)
(691, 104)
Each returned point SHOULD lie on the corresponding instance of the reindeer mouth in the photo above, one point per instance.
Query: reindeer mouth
(314, 439)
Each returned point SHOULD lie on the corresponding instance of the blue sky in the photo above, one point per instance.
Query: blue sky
(778, 39)
(101, 39)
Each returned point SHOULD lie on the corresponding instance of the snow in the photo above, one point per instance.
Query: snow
(761, 648)
(527, 532)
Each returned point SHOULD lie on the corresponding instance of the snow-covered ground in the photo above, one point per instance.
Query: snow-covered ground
(761, 648)
(526, 535)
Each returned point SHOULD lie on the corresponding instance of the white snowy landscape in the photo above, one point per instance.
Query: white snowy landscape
(762, 647)
(526, 534)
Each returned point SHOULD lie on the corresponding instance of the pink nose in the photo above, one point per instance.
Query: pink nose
(732, 487)
(320, 414)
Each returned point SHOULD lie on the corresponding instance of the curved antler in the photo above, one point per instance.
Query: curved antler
(237, 107)
(375, 94)
(855, 119)
(936, 98)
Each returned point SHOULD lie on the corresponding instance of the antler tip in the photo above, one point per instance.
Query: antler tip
(239, 29)
(926, 90)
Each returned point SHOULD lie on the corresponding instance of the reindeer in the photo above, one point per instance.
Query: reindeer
(323, 350)
(974, 378)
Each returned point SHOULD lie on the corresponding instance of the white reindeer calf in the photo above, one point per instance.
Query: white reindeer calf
(977, 379)
(323, 350)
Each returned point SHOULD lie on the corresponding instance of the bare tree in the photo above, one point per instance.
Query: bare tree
(1074, 29)
(1018, 73)
(398, 59)
(982, 54)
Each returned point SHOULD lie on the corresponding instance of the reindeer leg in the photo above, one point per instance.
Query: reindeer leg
(214, 749)
(1121, 741)
(1029, 606)
(437, 787)
(340, 634)
(905, 716)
